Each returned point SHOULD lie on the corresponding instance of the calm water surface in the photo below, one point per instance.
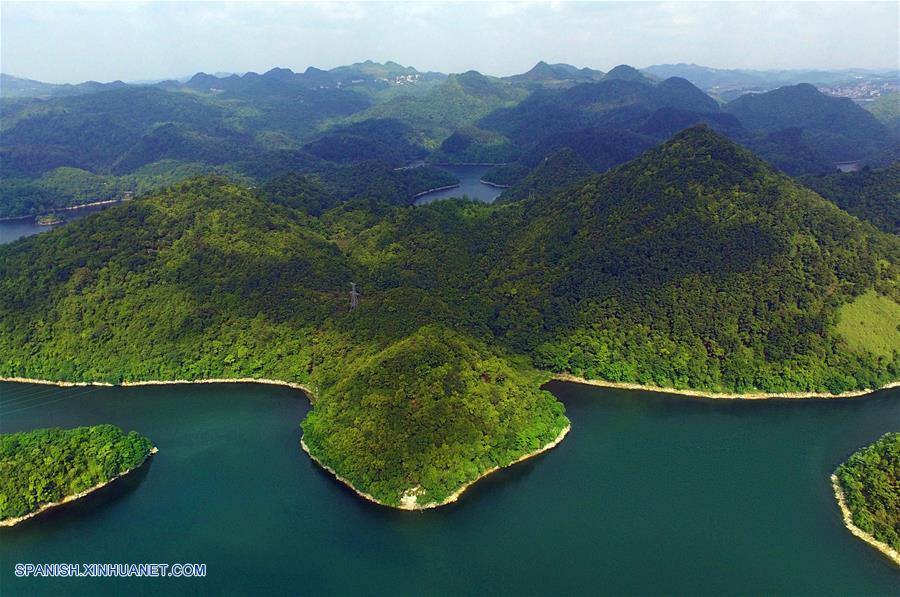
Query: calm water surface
(11, 230)
(469, 185)
(649, 494)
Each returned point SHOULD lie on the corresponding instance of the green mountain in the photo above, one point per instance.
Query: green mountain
(544, 74)
(557, 171)
(695, 265)
(457, 102)
(17, 87)
(599, 149)
(869, 194)
(617, 103)
(791, 151)
(887, 110)
(836, 127)
(386, 140)
(623, 72)
(698, 252)
(471, 145)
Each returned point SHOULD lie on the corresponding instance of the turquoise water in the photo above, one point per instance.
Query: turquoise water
(649, 494)
(469, 186)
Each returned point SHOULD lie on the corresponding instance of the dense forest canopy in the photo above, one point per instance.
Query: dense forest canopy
(870, 479)
(869, 194)
(46, 465)
(696, 265)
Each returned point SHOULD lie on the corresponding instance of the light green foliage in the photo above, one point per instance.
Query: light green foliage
(46, 465)
(871, 482)
(432, 411)
(871, 323)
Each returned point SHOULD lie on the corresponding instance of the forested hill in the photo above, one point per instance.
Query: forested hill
(835, 126)
(869, 194)
(700, 265)
(696, 265)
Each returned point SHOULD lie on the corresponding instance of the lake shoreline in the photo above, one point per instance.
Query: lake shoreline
(410, 504)
(720, 395)
(435, 190)
(59, 209)
(494, 184)
(156, 382)
(891, 553)
(565, 377)
(10, 522)
(449, 165)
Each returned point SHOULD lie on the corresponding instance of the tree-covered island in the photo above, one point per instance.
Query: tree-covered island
(867, 487)
(44, 468)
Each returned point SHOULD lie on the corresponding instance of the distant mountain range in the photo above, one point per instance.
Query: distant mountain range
(66, 144)
(725, 82)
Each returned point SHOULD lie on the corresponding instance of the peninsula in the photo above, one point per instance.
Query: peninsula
(46, 468)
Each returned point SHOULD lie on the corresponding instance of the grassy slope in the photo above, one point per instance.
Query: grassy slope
(871, 322)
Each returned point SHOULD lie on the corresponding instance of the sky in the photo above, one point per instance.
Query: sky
(78, 41)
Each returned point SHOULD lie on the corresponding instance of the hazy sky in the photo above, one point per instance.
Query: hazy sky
(72, 42)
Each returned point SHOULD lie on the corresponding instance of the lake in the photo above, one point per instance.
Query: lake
(11, 230)
(648, 494)
(469, 185)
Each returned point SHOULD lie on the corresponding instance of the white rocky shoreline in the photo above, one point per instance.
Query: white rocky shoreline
(9, 522)
(891, 553)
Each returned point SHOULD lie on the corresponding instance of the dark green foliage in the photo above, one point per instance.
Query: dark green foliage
(457, 102)
(471, 145)
(695, 266)
(789, 150)
(871, 195)
(610, 104)
(46, 465)
(377, 181)
(384, 140)
(506, 174)
(93, 131)
(120, 132)
(66, 187)
(623, 72)
(871, 482)
(600, 149)
(555, 75)
(558, 171)
(299, 192)
(836, 127)
(344, 148)
(665, 122)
